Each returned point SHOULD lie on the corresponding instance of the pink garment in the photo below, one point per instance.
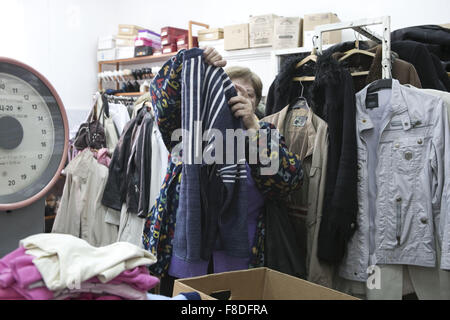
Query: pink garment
(17, 273)
(102, 157)
(10, 294)
(138, 278)
(20, 279)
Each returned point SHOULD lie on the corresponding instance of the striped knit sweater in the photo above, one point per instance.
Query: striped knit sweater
(212, 212)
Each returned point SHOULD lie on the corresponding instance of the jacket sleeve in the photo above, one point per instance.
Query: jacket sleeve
(277, 171)
(165, 94)
(440, 164)
(414, 77)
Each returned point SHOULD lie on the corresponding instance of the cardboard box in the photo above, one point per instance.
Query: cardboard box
(125, 41)
(125, 52)
(166, 31)
(183, 46)
(210, 34)
(287, 32)
(310, 21)
(105, 55)
(169, 48)
(256, 284)
(107, 42)
(140, 42)
(140, 51)
(261, 30)
(236, 37)
(149, 35)
(129, 30)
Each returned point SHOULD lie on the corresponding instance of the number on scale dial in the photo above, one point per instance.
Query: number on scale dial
(27, 134)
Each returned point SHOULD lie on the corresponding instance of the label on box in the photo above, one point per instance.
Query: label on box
(261, 30)
(287, 33)
(165, 42)
(164, 33)
(180, 42)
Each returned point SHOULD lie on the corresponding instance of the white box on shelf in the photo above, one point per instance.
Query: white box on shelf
(125, 52)
(107, 42)
(261, 30)
(105, 55)
(310, 21)
(125, 41)
(287, 32)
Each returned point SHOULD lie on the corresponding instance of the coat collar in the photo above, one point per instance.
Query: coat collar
(397, 106)
(309, 125)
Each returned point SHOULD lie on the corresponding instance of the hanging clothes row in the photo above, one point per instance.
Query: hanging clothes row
(89, 179)
(374, 132)
(136, 172)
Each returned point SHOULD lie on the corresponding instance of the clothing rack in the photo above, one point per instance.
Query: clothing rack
(360, 27)
(114, 99)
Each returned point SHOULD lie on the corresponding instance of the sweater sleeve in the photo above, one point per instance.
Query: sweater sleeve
(165, 93)
(277, 171)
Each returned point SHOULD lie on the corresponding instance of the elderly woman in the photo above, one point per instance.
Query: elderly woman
(160, 223)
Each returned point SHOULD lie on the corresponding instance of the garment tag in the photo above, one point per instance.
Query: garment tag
(372, 101)
(300, 121)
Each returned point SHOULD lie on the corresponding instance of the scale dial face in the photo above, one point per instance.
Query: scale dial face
(33, 135)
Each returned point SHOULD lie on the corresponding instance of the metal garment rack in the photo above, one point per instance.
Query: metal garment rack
(360, 27)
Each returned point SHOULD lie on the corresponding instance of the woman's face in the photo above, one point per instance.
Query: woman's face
(247, 84)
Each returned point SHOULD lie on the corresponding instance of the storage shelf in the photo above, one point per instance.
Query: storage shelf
(137, 60)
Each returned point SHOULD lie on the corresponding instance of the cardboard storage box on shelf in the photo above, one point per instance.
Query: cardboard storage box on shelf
(105, 55)
(210, 34)
(256, 284)
(182, 46)
(169, 48)
(140, 51)
(236, 37)
(287, 32)
(184, 39)
(310, 21)
(149, 35)
(261, 30)
(125, 41)
(129, 29)
(106, 42)
(168, 40)
(139, 42)
(165, 31)
(125, 52)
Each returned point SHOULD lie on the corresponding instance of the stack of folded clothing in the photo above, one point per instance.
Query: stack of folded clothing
(63, 267)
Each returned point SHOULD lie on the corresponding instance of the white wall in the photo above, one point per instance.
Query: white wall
(59, 38)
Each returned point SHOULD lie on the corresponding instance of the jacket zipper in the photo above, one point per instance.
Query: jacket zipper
(399, 220)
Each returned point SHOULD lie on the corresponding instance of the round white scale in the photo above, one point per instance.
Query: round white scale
(33, 149)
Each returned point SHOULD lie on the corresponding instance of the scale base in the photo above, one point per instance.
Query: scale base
(16, 225)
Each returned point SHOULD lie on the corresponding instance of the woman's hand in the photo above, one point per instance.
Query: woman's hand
(213, 57)
(242, 108)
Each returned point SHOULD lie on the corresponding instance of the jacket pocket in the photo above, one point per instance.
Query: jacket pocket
(407, 155)
(398, 210)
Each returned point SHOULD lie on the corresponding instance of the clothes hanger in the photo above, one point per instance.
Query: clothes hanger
(311, 57)
(300, 102)
(354, 51)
